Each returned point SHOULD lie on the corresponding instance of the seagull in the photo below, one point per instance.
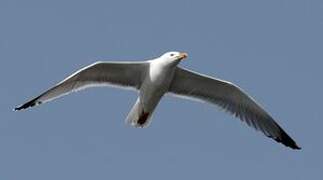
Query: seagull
(154, 78)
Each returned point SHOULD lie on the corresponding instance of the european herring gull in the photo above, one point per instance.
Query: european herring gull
(159, 76)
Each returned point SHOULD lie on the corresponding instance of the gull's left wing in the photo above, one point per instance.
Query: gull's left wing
(232, 99)
(124, 74)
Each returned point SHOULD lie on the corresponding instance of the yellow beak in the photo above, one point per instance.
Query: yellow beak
(182, 56)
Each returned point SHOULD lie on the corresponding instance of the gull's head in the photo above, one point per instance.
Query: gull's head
(173, 57)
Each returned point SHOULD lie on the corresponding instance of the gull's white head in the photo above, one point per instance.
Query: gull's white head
(173, 57)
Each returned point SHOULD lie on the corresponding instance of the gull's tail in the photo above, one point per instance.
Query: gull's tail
(138, 117)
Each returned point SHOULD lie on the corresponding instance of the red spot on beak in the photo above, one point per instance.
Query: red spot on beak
(182, 55)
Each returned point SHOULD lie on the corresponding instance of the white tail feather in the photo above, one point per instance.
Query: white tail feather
(137, 117)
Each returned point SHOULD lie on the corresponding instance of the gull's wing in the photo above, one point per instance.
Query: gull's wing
(232, 99)
(125, 74)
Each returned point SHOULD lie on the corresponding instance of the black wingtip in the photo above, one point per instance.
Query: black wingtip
(287, 140)
(27, 105)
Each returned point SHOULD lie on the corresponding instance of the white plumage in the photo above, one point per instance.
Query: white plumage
(154, 78)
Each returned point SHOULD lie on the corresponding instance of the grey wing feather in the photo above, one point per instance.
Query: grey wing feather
(124, 74)
(232, 99)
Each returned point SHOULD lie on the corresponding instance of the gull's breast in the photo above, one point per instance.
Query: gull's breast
(159, 77)
(157, 74)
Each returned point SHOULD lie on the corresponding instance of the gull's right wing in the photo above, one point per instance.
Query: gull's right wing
(124, 74)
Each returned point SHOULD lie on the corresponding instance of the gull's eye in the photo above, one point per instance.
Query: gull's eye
(172, 54)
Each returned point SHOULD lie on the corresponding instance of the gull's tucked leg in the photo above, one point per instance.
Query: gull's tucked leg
(143, 119)
(138, 117)
(140, 114)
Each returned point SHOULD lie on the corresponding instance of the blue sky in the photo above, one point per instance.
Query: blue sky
(272, 49)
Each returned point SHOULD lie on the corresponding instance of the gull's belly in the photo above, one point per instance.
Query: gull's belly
(155, 86)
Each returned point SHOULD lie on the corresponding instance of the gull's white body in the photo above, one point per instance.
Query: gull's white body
(155, 85)
(154, 78)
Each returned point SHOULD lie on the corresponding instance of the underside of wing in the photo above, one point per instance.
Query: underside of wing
(232, 99)
(122, 74)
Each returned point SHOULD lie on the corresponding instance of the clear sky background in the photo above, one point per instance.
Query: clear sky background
(272, 49)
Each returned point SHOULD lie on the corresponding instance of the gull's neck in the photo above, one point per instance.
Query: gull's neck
(163, 63)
